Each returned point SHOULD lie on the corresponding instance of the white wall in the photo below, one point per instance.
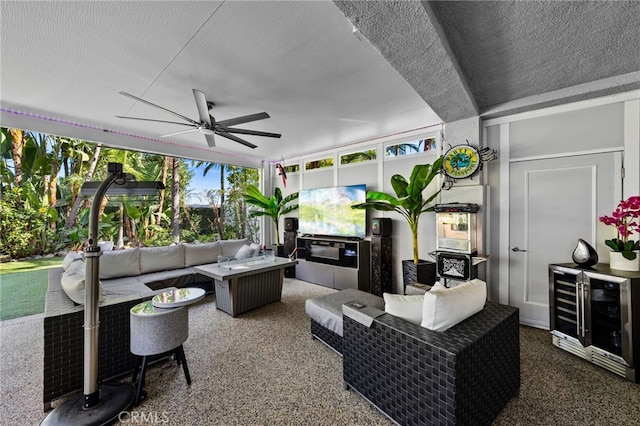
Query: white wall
(601, 124)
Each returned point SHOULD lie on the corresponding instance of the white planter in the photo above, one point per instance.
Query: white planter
(617, 261)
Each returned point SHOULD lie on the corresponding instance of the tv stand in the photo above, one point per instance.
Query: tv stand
(334, 263)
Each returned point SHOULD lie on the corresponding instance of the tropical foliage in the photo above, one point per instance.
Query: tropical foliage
(41, 211)
(274, 206)
(409, 200)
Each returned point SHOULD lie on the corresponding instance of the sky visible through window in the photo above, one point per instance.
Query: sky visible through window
(199, 184)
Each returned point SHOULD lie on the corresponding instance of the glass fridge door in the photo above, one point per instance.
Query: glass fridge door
(610, 315)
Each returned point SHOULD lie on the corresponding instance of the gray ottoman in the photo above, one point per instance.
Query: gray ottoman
(326, 314)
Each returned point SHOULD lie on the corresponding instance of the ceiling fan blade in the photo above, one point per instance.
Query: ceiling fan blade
(243, 119)
(179, 133)
(250, 132)
(236, 139)
(201, 103)
(155, 121)
(211, 141)
(159, 107)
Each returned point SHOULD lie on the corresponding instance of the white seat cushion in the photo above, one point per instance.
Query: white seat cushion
(445, 307)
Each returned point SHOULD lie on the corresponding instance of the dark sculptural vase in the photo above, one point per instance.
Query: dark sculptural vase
(584, 255)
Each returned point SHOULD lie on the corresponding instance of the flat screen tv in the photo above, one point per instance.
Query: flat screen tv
(328, 212)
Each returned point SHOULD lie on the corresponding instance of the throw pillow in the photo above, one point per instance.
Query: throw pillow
(244, 252)
(408, 307)
(71, 257)
(73, 283)
(256, 248)
(445, 307)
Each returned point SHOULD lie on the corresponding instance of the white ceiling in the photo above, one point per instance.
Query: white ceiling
(298, 61)
(63, 64)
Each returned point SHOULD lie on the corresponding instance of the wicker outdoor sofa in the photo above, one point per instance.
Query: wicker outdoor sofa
(415, 376)
(158, 269)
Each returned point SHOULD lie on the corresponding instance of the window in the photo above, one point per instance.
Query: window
(292, 168)
(358, 157)
(318, 164)
(409, 148)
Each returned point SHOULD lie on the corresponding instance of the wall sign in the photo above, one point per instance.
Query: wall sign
(461, 161)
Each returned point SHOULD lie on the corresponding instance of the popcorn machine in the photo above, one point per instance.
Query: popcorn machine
(456, 244)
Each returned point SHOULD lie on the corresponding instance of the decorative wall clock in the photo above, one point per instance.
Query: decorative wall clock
(461, 161)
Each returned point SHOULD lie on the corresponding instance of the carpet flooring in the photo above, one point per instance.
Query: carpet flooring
(263, 368)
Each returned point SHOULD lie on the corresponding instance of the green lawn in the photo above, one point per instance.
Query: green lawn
(23, 287)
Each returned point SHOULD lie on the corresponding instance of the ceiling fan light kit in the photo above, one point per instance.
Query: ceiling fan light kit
(208, 126)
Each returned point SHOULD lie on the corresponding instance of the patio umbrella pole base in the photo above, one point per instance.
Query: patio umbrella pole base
(114, 400)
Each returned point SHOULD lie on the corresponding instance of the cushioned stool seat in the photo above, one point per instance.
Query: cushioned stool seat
(326, 314)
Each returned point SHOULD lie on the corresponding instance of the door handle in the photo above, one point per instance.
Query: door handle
(517, 249)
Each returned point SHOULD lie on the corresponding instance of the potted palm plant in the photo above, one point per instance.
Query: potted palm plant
(411, 203)
(274, 206)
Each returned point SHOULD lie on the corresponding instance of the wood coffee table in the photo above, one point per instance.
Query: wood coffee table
(243, 285)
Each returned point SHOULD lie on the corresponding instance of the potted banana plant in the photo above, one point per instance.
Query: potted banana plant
(274, 206)
(410, 202)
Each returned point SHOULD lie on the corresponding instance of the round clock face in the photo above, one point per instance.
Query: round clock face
(461, 161)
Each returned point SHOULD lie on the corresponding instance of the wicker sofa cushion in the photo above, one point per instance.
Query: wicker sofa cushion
(445, 307)
(406, 307)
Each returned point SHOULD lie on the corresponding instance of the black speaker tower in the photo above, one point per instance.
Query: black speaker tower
(288, 248)
(381, 254)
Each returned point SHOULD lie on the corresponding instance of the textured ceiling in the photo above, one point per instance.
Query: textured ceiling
(63, 64)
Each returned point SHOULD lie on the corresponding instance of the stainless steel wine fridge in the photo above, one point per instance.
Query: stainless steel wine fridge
(595, 314)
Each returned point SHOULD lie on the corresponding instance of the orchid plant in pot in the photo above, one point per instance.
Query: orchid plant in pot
(626, 219)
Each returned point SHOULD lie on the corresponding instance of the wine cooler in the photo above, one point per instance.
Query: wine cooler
(595, 314)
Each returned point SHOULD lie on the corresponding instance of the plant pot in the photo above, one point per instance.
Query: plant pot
(619, 262)
(424, 272)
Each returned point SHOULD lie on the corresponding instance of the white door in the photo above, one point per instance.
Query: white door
(552, 203)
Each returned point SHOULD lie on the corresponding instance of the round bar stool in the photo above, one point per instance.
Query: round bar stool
(156, 331)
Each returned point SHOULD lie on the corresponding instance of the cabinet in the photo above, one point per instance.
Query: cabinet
(334, 263)
(595, 314)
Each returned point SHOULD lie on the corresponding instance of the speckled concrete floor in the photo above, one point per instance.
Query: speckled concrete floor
(263, 368)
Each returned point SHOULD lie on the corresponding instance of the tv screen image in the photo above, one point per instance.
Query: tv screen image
(327, 211)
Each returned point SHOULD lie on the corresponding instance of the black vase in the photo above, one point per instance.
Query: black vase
(424, 272)
(584, 255)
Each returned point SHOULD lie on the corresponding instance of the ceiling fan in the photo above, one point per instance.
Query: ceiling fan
(208, 125)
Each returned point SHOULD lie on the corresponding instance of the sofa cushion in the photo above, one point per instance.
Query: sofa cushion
(200, 254)
(327, 310)
(153, 259)
(229, 248)
(71, 257)
(125, 286)
(406, 307)
(73, 283)
(445, 307)
(244, 252)
(120, 263)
